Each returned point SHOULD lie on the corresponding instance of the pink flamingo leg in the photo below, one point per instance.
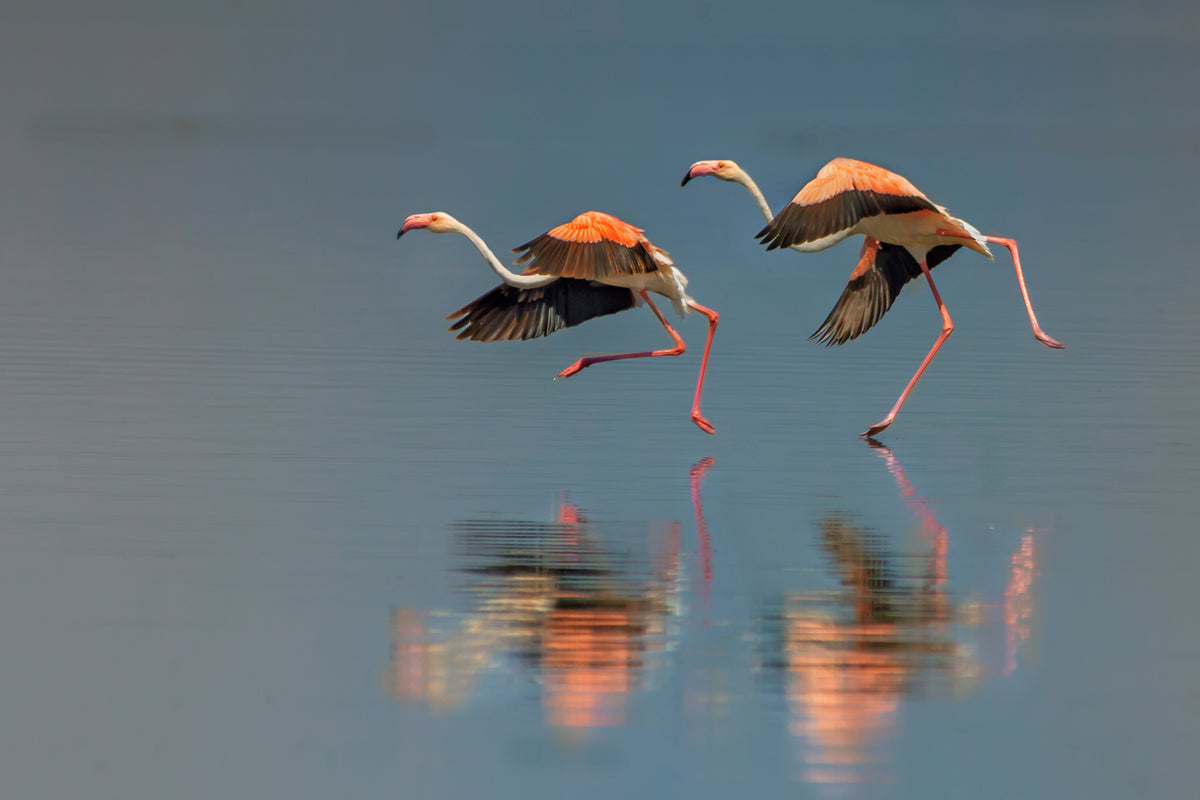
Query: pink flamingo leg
(679, 349)
(1011, 244)
(947, 329)
(697, 417)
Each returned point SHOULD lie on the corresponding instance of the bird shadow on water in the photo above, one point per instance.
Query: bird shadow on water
(594, 614)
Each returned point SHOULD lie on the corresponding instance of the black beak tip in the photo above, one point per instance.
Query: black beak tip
(399, 233)
(687, 177)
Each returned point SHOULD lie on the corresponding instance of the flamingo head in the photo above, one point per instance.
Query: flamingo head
(434, 221)
(724, 169)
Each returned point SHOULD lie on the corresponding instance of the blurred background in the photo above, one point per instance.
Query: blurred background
(267, 529)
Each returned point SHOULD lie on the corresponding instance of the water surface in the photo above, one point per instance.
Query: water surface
(268, 529)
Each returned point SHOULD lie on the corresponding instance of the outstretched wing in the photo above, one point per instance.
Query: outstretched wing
(507, 312)
(593, 246)
(844, 192)
(882, 271)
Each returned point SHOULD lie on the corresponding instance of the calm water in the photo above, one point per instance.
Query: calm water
(267, 530)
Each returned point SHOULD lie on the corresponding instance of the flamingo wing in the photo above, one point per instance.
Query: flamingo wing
(507, 312)
(883, 270)
(844, 192)
(593, 246)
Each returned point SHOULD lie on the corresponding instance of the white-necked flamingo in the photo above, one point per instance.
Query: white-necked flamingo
(882, 271)
(906, 235)
(593, 265)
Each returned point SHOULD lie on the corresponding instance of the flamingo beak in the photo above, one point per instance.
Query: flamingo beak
(412, 223)
(698, 169)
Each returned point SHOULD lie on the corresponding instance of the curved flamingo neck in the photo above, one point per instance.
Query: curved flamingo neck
(745, 180)
(506, 275)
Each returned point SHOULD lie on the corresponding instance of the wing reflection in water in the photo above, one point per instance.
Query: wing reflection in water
(557, 601)
(891, 631)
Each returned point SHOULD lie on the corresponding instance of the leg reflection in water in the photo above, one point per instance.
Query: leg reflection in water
(696, 477)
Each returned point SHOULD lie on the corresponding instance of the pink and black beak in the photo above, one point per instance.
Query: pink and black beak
(699, 169)
(414, 222)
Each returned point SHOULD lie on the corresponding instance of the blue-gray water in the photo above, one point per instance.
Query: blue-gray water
(268, 530)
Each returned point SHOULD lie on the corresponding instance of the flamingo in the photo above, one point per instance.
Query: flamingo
(885, 267)
(591, 266)
(905, 235)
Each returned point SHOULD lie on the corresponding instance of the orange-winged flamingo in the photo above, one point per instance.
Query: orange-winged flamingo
(593, 265)
(906, 235)
(883, 269)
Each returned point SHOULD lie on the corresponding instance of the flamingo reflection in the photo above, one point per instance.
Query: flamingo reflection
(696, 476)
(1019, 601)
(586, 619)
(890, 631)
